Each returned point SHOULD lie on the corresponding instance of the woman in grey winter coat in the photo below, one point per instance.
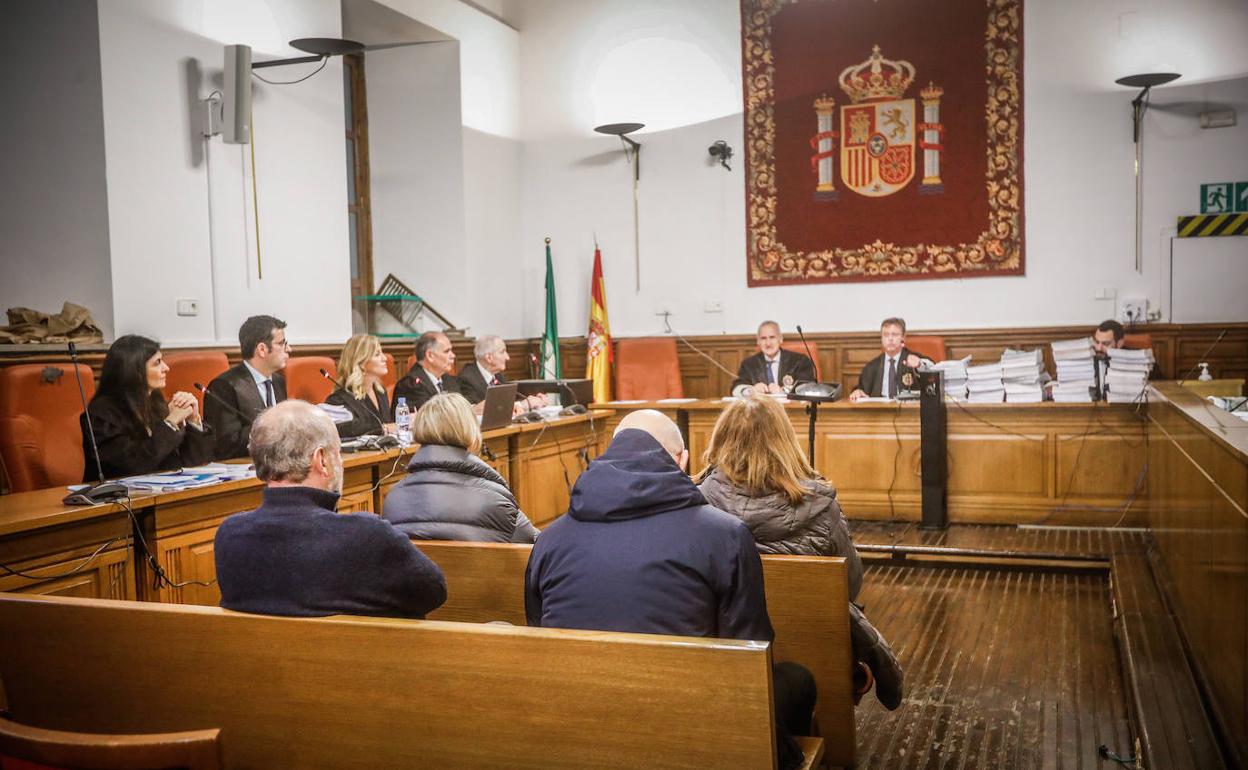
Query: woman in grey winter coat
(449, 493)
(756, 471)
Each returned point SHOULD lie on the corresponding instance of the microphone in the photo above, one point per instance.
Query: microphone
(223, 403)
(805, 344)
(384, 440)
(1192, 371)
(102, 491)
(815, 391)
(533, 366)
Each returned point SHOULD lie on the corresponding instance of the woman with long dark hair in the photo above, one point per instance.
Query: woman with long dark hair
(136, 430)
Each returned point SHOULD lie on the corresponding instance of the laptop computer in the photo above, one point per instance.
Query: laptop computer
(499, 402)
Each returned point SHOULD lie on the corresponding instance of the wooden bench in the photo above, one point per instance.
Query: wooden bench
(354, 692)
(807, 597)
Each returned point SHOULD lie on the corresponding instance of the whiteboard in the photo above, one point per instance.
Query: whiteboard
(1210, 279)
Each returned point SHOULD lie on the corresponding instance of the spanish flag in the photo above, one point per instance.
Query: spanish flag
(600, 355)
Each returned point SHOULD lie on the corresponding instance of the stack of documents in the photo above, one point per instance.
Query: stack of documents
(1076, 372)
(955, 377)
(1021, 371)
(1128, 374)
(189, 478)
(984, 385)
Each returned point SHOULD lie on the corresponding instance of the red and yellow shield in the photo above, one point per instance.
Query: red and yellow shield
(877, 152)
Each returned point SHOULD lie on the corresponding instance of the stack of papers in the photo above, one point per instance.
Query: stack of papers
(1076, 372)
(1021, 371)
(1128, 374)
(339, 414)
(189, 478)
(983, 384)
(955, 377)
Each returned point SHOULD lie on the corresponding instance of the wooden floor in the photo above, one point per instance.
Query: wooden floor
(1005, 667)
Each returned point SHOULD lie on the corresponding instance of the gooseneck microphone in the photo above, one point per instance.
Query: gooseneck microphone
(813, 366)
(102, 491)
(384, 440)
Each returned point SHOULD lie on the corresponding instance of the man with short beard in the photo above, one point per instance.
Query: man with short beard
(294, 555)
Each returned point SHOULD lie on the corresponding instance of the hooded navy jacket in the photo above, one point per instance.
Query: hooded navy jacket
(640, 550)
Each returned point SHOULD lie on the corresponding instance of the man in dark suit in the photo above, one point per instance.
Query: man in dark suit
(893, 370)
(772, 370)
(430, 375)
(242, 392)
(490, 352)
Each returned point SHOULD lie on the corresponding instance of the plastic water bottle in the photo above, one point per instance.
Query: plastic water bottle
(403, 421)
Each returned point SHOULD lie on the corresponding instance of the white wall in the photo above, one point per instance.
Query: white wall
(417, 172)
(667, 64)
(180, 210)
(53, 206)
(491, 295)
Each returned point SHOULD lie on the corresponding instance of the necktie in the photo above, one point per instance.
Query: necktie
(768, 377)
(892, 378)
(268, 393)
(437, 385)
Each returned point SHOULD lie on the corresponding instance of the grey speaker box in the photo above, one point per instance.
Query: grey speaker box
(236, 128)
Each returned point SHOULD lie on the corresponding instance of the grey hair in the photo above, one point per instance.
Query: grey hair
(284, 438)
(487, 344)
(765, 324)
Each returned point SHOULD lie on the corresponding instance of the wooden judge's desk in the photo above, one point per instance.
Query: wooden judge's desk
(1057, 464)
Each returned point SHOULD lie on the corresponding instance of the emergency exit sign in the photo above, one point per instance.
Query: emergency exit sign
(1224, 198)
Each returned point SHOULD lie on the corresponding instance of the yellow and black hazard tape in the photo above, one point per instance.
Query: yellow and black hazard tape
(1207, 225)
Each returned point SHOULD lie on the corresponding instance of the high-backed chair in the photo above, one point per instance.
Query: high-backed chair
(33, 748)
(800, 349)
(407, 365)
(40, 436)
(928, 347)
(1137, 341)
(304, 380)
(392, 377)
(186, 369)
(647, 369)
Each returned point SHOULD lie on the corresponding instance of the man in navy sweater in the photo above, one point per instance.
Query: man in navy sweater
(294, 555)
(641, 550)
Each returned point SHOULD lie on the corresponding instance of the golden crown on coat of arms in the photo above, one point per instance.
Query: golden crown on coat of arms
(869, 81)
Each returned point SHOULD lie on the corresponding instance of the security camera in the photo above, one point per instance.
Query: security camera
(720, 151)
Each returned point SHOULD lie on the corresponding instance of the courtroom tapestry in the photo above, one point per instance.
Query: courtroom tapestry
(884, 139)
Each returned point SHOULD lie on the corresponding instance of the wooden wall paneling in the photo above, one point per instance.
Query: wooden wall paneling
(546, 460)
(1198, 513)
(58, 560)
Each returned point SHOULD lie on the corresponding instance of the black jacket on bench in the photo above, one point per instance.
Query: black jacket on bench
(295, 556)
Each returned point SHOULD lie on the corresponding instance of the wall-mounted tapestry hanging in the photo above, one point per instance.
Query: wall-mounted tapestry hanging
(884, 139)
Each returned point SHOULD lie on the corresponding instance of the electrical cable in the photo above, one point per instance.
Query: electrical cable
(86, 562)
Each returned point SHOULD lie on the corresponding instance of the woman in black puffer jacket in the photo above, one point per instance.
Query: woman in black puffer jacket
(450, 493)
(756, 471)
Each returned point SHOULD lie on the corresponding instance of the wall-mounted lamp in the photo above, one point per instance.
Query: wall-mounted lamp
(623, 130)
(1139, 105)
(720, 151)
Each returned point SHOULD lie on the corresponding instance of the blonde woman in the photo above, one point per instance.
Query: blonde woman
(360, 369)
(755, 470)
(449, 493)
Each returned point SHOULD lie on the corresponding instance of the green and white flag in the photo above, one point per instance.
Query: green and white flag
(552, 368)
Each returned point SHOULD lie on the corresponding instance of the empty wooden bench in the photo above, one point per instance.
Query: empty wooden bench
(354, 692)
(807, 599)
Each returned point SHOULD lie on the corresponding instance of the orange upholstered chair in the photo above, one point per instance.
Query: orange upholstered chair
(40, 436)
(647, 369)
(1137, 341)
(407, 366)
(33, 748)
(800, 349)
(392, 377)
(304, 380)
(928, 347)
(186, 369)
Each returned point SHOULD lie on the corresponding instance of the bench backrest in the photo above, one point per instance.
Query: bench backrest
(348, 692)
(807, 599)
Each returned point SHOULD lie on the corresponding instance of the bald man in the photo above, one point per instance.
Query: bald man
(641, 550)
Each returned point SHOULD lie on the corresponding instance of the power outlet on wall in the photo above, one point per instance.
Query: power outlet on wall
(712, 306)
(1133, 311)
(188, 307)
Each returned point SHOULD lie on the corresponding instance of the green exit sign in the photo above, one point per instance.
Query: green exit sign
(1224, 198)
